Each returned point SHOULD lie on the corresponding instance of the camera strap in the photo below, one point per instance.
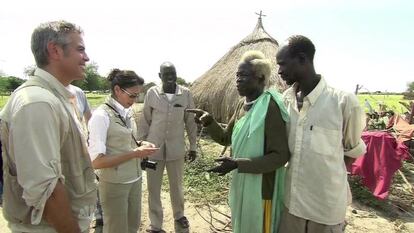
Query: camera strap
(125, 124)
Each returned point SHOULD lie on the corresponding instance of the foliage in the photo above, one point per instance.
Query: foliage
(182, 82)
(391, 101)
(410, 86)
(93, 81)
(199, 185)
(362, 194)
(10, 83)
(3, 100)
(95, 99)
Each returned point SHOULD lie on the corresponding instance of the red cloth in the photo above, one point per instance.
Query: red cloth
(382, 159)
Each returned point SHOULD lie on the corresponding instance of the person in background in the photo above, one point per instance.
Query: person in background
(49, 183)
(324, 129)
(116, 154)
(82, 103)
(257, 134)
(162, 123)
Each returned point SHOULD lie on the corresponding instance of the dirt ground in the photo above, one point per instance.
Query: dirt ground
(359, 219)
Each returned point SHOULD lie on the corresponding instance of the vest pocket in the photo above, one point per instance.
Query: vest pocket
(78, 180)
(14, 206)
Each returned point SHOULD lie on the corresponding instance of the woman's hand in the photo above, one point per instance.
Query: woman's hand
(145, 151)
(148, 144)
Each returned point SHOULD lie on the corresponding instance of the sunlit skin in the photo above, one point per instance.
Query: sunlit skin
(297, 69)
(68, 64)
(168, 76)
(247, 83)
(127, 96)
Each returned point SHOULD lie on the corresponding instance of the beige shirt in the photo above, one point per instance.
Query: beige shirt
(327, 128)
(163, 122)
(38, 124)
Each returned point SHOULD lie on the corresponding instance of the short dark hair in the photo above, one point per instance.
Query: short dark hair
(301, 44)
(124, 79)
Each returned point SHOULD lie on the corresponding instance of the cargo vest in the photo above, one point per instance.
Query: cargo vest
(75, 165)
(119, 140)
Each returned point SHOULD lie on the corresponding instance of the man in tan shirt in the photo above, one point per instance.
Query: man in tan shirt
(162, 123)
(49, 181)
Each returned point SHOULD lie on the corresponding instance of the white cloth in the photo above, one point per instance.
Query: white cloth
(328, 126)
(98, 127)
(81, 100)
(169, 96)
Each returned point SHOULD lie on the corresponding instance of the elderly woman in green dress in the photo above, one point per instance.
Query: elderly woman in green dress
(257, 134)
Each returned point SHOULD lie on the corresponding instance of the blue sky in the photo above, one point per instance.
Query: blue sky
(357, 42)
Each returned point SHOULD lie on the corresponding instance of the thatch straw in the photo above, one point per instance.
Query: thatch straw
(215, 91)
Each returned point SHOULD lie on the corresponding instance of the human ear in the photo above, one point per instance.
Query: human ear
(53, 50)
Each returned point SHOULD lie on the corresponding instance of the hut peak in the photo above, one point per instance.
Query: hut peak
(259, 21)
(259, 33)
(215, 91)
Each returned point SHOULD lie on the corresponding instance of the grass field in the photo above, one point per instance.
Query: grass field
(391, 101)
(94, 99)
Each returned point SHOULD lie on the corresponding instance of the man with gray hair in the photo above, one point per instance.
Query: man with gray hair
(49, 183)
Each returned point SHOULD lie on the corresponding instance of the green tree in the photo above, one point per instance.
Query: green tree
(410, 87)
(93, 81)
(10, 83)
(182, 82)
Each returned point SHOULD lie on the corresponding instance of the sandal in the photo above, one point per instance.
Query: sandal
(183, 222)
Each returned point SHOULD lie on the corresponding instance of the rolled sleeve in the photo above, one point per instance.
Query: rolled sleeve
(190, 125)
(357, 151)
(354, 146)
(35, 138)
(98, 127)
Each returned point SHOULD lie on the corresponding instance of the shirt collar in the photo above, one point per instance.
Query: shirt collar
(317, 91)
(119, 108)
(53, 82)
(178, 90)
(290, 93)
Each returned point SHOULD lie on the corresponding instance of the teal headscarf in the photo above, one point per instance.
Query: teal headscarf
(246, 189)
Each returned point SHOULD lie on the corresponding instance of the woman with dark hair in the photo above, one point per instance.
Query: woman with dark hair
(116, 154)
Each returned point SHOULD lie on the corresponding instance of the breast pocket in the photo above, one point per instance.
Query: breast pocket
(324, 141)
(178, 112)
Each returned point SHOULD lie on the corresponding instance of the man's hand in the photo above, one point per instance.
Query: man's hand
(227, 165)
(201, 116)
(191, 156)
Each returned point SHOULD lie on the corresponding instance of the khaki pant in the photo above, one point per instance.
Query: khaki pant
(175, 170)
(293, 224)
(121, 205)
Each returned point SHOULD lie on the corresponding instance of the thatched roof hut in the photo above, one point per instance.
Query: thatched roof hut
(215, 91)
